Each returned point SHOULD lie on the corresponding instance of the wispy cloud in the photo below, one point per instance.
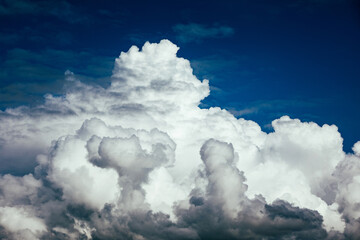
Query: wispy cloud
(274, 105)
(27, 74)
(62, 10)
(8, 38)
(194, 32)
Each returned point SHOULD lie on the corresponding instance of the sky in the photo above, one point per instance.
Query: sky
(179, 119)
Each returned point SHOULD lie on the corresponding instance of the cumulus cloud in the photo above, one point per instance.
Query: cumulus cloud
(140, 160)
(194, 32)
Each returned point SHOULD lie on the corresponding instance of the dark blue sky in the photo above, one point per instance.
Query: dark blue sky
(264, 59)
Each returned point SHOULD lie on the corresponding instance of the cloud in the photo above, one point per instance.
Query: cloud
(28, 75)
(194, 32)
(138, 159)
(224, 211)
(259, 107)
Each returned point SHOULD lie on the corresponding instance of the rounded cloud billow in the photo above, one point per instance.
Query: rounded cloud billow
(140, 160)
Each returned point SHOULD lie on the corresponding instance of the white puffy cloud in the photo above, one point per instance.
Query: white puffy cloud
(22, 222)
(81, 181)
(297, 161)
(134, 160)
(347, 185)
(17, 190)
(356, 148)
(222, 175)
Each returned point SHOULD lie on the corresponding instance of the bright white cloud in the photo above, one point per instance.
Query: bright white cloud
(138, 151)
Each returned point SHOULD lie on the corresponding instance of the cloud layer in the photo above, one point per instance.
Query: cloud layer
(140, 160)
